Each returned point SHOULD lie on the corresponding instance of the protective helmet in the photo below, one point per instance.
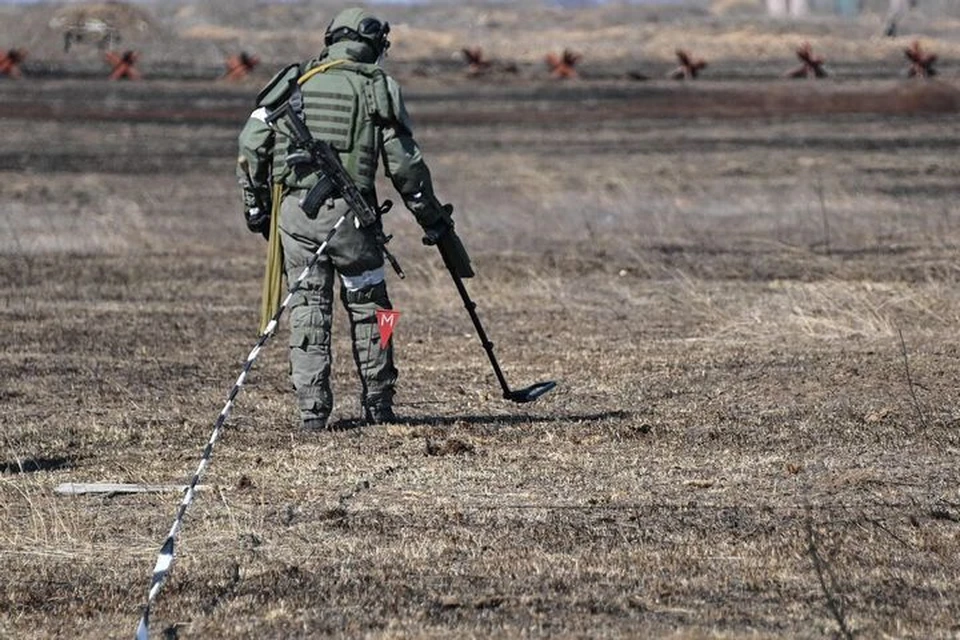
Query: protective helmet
(359, 26)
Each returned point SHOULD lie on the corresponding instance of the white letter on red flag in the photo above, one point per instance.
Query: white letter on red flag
(386, 321)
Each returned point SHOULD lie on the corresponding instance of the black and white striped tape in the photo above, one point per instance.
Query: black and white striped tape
(165, 559)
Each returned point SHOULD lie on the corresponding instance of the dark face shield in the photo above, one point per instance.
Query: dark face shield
(376, 32)
(370, 30)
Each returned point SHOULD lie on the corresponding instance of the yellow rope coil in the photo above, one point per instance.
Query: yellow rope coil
(273, 272)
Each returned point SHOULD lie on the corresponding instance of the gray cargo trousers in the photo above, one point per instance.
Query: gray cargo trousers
(355, 256)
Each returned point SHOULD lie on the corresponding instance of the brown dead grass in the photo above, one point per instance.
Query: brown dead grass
(729, 380)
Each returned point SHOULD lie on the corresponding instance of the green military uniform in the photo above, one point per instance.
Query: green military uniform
(349, 102)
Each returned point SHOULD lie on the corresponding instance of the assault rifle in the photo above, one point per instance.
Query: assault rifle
(322, 159)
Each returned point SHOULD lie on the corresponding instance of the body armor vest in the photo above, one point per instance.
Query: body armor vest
(339, 105)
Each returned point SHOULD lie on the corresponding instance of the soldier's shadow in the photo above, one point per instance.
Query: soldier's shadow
(347, 424)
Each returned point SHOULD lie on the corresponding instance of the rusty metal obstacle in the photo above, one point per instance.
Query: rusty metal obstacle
(921, 62)
(689, 68)
(811, 66)
(10, 62)
(240, 65)
(563, 65)
(123, 65)
(477, 62)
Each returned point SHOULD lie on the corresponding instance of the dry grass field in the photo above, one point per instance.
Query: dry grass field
(747, 291)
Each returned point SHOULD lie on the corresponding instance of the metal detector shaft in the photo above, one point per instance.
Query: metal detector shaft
(527, 394)
(471, 307)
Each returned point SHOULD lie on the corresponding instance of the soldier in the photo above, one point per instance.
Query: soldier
(351, 103)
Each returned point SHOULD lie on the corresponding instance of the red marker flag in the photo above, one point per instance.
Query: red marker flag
(386, 321)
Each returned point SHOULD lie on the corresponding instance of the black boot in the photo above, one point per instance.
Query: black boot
(379, 414)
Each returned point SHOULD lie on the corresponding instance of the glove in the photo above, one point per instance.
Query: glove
(433, 233)
(258, 221)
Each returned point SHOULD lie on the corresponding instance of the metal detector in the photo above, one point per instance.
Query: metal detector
(520, 396)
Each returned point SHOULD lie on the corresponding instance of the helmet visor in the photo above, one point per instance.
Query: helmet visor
(373, 28)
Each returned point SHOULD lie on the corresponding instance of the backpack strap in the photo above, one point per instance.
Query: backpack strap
(319, 69)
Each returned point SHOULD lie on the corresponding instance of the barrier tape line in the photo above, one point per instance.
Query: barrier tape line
(165, 558)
